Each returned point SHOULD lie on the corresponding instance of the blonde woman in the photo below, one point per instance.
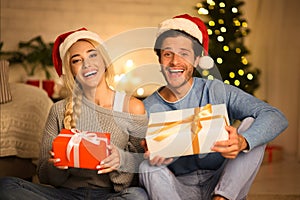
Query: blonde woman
(91, 105)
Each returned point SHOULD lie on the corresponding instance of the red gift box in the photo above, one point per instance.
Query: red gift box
(273, 153)
(80, 149)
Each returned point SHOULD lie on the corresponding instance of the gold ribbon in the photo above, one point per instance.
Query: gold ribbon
(200, 114)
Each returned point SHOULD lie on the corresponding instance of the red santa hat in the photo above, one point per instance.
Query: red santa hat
(194, 27)
(64, 41)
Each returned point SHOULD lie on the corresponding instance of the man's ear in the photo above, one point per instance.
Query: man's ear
(196, 62)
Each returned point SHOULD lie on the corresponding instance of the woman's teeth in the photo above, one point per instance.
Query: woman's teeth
(90, 73)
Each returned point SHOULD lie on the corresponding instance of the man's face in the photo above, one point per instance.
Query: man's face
(177, 61)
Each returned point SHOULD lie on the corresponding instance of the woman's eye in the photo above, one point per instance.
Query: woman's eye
(74, 61)
(93, 55)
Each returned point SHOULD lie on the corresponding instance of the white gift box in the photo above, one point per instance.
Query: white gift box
(186, 132)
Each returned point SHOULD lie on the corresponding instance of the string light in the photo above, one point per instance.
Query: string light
(223, 29)
(205, 72)
(210, 77)
(211, 2)
(236, 22)
(209, 31)
(234, 10)
(238, 50)
(217, 32)
(244, 60)
(203, 11)
(222, 5)
(220, 21)
(250, 76)
(231, 74)
(244, 24)
(237, 82)
(211, 23)
(227, 82)
(220, 38)
(219, 60)
(241, 72)
(226, 48)
(211, 7)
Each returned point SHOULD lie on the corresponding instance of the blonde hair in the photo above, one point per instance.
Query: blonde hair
(74, 89)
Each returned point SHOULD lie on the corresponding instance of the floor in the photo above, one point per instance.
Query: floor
(277, 180)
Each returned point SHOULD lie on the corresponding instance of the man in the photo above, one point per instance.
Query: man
(182, 46)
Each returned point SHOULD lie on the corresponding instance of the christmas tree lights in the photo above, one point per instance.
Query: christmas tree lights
(227, 29)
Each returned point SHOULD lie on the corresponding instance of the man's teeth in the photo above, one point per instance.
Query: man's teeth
(90, 73)
(176, 70)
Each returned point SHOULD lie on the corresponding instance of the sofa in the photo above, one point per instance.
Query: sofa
(23, 113)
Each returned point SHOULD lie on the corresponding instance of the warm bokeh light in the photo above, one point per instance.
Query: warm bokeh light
(237, 82)
(211, 23)
(234, 10)
(203, 11)
(220, 38)
(226, 48)
(241, 72)
(238, 50)
(250, 76)
(222, 5)
(227, 82)
(140, 91)
(223, 29)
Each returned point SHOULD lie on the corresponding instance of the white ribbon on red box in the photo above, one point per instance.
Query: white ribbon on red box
(76, 140)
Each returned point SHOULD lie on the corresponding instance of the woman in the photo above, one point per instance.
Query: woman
(90, 106)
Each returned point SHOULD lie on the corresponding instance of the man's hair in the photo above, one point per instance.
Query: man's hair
(197, 47)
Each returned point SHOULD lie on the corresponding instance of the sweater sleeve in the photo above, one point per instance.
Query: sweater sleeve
(47, 172)
(131, 156)
(269, 121)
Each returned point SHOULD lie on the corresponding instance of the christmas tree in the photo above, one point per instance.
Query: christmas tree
(227, 30)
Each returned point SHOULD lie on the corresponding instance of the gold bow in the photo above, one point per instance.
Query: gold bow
(200, 114)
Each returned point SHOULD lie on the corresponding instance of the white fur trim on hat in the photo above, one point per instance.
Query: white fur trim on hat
(181, 24)
(74, 37)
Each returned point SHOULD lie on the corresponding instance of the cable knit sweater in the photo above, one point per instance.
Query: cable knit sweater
(126, 130)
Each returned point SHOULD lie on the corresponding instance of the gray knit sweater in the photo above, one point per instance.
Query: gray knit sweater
(126, 130)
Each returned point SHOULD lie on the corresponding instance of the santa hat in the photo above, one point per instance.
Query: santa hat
(64, 41)
(194, 27)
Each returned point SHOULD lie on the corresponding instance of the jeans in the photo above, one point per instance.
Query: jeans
(232, 180)
(19, 189)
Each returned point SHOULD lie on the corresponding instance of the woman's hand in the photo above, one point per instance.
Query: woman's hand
(233, 146)
(110, 163)
(55, 160)
(157, 160)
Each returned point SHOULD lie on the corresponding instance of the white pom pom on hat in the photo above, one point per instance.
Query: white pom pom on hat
(206, 62)
(194, 27)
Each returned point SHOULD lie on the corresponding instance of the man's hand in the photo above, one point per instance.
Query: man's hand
(233, 146)
(157, 160)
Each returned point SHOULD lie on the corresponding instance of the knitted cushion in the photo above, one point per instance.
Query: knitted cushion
(5, 93)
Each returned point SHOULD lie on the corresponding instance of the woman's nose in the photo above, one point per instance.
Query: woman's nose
(85, 64)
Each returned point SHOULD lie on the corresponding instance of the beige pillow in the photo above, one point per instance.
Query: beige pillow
(5, 93)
